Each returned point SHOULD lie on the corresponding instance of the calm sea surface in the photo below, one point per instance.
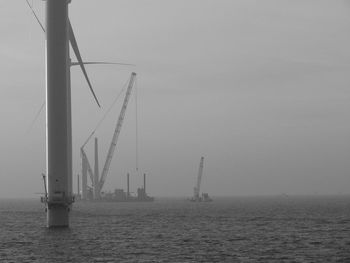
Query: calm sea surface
(266, 229)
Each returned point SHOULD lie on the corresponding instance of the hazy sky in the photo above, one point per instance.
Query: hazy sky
(259, 88)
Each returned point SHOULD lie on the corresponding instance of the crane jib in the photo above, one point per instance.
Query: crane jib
(116, 132)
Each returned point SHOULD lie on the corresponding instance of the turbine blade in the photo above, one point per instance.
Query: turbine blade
(36, 17)
(102, 63)
(74, 44)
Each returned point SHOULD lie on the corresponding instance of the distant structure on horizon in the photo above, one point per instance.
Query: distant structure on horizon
(95, 192)
(196, 190)
(119, 195)
(97, 180)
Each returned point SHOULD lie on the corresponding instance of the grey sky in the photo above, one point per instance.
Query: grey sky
(260, 88)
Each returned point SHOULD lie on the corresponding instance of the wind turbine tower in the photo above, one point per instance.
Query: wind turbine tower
(57, 111)
(59, 33)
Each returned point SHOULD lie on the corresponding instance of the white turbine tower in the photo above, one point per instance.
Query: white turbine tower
(58, 200)
(59, 33)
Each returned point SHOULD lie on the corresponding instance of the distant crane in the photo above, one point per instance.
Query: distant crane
(116, 133)
(86, 168)
(98, 183)
(197, 188)
(196, 197)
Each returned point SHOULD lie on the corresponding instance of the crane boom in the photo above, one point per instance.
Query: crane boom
(86, 160)
(199, 179)
(116, 132)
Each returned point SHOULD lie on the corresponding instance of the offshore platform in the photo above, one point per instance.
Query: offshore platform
(94, 192)
(118, 195)
(196, 190)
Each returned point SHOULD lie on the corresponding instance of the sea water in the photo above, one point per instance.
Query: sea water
(239, 229)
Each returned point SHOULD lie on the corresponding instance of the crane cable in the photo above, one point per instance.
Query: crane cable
(106, 113)
(36, 117)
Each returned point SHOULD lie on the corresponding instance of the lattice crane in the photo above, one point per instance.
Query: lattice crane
(199, 180)
(116, 133)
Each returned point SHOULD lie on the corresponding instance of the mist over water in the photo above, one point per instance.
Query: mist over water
(260, 88)
(247, 229)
